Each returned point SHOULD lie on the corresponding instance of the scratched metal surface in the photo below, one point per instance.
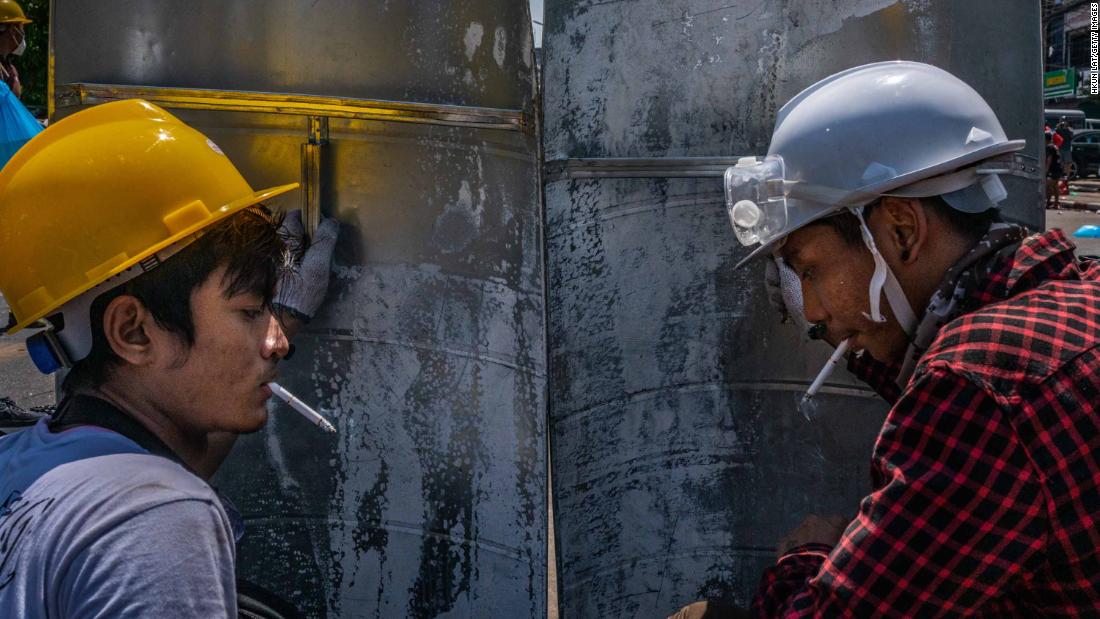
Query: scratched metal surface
(679, 458)
(429, 357)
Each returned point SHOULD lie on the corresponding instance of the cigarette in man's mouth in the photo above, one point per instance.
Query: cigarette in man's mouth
(301, 407)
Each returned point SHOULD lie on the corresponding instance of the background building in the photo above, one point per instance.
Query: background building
(1067, 58)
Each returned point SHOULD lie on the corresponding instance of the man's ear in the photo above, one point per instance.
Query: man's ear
(903, 224)
(125, 326)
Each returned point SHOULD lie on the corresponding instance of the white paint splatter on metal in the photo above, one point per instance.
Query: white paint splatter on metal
(473, 37)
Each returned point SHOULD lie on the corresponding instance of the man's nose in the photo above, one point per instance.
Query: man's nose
(812, 308)
(275, 341)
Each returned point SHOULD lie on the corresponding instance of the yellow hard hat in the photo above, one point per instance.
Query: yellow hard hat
(101, 191)
(12, 13)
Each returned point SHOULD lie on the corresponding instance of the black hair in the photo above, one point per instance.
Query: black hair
(971, 226)
(247, 244)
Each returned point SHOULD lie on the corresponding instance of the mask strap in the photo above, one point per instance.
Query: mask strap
(883, 280)
(895, 296)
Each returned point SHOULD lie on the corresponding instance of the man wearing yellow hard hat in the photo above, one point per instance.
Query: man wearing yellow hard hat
(149, 267)
(13, 41)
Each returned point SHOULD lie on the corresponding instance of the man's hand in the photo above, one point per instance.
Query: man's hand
(302, 287)
(10, 73)
(814, 530)
(710, 609)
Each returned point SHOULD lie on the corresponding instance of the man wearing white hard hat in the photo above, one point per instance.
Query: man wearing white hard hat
(878, 203)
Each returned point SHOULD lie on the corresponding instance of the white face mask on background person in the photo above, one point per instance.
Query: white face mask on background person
(18, 51)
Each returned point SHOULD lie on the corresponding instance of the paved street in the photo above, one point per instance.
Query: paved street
(19, 379)
(1070, 221)
(1083, 209)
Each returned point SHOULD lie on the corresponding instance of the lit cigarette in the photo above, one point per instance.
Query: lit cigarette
(301, 407)
(830, 365)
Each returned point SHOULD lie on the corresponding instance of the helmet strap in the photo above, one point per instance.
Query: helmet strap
(883, 280)
(75, 336)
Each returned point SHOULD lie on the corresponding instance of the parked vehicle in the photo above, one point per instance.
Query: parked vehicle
(1075, 118)
(1085, 151)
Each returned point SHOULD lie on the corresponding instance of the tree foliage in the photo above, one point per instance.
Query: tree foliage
(33, 65)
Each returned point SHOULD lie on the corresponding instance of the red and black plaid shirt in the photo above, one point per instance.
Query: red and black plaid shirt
(986, 473)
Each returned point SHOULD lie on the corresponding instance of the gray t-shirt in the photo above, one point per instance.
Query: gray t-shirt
(110, 536)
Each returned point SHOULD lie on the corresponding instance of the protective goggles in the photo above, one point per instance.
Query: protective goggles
(756, 199)
(758, 194)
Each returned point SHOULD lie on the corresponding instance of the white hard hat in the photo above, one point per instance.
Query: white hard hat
(896, 128)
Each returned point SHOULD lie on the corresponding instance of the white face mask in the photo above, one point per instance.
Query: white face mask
(22, 47)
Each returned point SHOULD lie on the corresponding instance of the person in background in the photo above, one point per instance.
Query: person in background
(1057, 139)
(1065, 147)
(1054, 173)
(13, 41)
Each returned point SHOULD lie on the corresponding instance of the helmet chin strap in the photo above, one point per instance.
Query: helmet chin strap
(883, 280)
(76, 334)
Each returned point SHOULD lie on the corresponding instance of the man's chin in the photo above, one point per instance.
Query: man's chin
(254, 422)
(884, 353)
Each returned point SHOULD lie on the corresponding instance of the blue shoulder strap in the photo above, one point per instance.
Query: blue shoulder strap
(25, 457)
(82, 410)
(86, 410)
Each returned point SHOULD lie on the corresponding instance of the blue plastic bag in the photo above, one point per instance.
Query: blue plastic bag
(17, 125)
(1088, 232)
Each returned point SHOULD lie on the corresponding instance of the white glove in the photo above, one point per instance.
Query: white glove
(784, 291)
(302, 286)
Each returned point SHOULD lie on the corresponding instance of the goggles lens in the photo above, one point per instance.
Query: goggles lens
(755, 199)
